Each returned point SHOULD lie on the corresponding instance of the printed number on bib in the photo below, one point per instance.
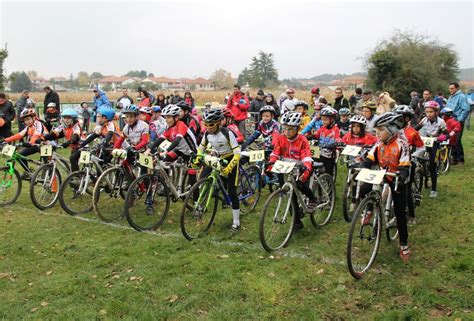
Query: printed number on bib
(315, 152)
(213, 162)
(145, 160)
(371, 176)
(256, 156)
(351, 150)
(165, 144)
(8, 150)
(281, 167)
(85, 157)
(429, 141)
(46, 150)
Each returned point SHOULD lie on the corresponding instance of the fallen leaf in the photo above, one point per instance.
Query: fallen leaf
(224, 256)
(94, 276)
(30, 284)
(34, 309)
(320, 271)
(49, 273)
(172, 298)
(271, 274)
(261, 257)
(103, 312)
(129, 270)
(44, 304)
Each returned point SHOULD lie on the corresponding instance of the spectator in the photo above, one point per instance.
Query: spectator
(51, 113)
(161, 100)
(315, 95)
(145, 100)
(255, 106)
(176, 98)
(386, 103)
(354, 99)
(440, 99)
(366, 97)
(340, 101)
(86, 116)
(21, 104)
(458, 103)
(100, 99)
(7, 115)
(415, 105)
(289, 103)
(239, 104)
(188, 98)
(270, 101)
(123, 102)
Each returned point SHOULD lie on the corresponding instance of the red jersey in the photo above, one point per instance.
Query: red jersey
(367, 139)
(328, 136)
(413, 137)
(188, 142)
(235, 130)
(453, 126)
(296, 149)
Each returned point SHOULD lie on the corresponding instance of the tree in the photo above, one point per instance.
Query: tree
(83, 79)
(222, 78)
(151, 75)
(20, 81)
(261, 72)
(407, 62)
(96, 75)
(3, 56)
(32, 73)
(244, 77)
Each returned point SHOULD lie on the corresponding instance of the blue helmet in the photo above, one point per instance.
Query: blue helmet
(107, 112)
(69, 113)
(156, 109)
(131, 109)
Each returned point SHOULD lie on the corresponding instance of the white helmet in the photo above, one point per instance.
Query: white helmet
(170, 110)
(291, 118)
(359, 119)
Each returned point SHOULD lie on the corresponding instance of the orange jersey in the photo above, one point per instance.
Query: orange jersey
(102, 130)
(392, 155)
(32, 133)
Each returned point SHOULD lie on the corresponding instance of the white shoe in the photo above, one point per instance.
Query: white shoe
(433, 194)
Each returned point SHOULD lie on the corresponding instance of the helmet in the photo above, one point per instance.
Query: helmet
(170, 110)
(359, 119)
(291, 118)
(69, 113)
(27, 112)
(213, 115)
(146, 110)
(183, 105)
(107, 112)
(267, 108)
(30, 102)
(301, 103)
(315, 90)
(228, 113)
(447, 111)
(208, 104)
(432, 104)
(404, 110)
(390, 119)
(370, 104)
(51, 105)
(156, 109)
(290, 91)
(328, 111)
(132, 109)
(344, 111)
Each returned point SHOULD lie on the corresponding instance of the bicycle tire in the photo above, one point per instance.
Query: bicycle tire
(347, 200)
(9, 194)
(249, 184)
(35, 197)
(83, 201)
(324, 195)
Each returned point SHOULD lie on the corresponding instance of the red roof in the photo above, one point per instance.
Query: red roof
(164, 80)
(112, 79)
(197, 81)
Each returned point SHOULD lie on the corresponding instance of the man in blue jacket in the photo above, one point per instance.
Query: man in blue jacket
(458, 103)
(100, 99)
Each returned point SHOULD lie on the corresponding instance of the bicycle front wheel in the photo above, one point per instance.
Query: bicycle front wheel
(249, 189)
(364, 236)
(147, 203)
(325, 192)
(75, 194)
(109, 191)
(44, 186)
(277, 220)
(347, 200)
(10, 186)
(199, 212)
(443, 161)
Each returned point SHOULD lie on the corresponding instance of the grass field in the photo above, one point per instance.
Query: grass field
(54, 266)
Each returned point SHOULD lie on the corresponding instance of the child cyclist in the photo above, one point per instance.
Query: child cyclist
(136, 132)
(302, 108)
(228, 122)
(368, 110)
(268, 128)
(70, 130)
(327, 136)
(189, 120)
(224, 145)
(33, 130)
(357, 134)
(432, 126)
(158, 124)
(417, 148)
(293, 147)
(315, 123)
(392, 154)
(452, 125)
(343, 122)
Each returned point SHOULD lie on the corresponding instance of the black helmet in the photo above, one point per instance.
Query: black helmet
(213, 115)
(267, 108)
(389, 120)
(183, 105)
(404, 110)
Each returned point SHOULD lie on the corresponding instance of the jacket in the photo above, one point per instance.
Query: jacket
(458, 103)
(102, 100)
(51, 97)
(7, 113)
(239, 109)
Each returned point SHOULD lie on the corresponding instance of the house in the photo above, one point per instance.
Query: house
(197, 84)
(350, 82)
(164, 82)
(38, 82)
(116, 82)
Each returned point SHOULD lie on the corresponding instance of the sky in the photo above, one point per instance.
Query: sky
(195, 38)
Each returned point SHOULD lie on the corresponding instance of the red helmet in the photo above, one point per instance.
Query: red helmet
(315, 90)
(228, 113)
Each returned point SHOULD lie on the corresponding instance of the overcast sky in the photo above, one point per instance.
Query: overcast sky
(194, 38)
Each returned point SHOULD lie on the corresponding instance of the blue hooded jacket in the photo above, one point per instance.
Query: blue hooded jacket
(458, 103)
(102, 100)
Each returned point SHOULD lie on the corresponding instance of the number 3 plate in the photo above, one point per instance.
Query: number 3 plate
(281, 167)
(370, 176)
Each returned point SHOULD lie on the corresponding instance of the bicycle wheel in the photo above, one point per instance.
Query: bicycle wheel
(417, 185)
(147, 202)
(198, 215)
(108, 199)
(364, 240)
(10, 186)
(443, 161)
(391, 230)
(325, 192)
(75, 194)
(249, 189)
(347, 199)
(277, 220)
(44, 186)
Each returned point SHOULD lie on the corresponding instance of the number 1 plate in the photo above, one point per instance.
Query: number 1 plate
(371, 176)
(46, 150)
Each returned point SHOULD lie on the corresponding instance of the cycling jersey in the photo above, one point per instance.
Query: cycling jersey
(315, 124)
(391, 155)
(136, 136)
(235, 130)
(103, 130)
(32, 133)
(68, 133)
(454, 127)
(268, 131)
(328, 136)
(295, 150)
(366, 140)
(343, 127)
(431, 128)
(412, 137)
(223, 143)
(187, 144)
(193, 125)
(157, 127)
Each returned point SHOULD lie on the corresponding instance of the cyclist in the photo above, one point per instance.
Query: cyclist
(158, 124)
(268, 127)
(189, 120)
(136, 132)
(392, 153)
(228, 122)
(315, 123)
(33, 130)
(343, 122)
(417, 148)
(302, 108)
(327, 136)
(70, 130)
(357, 134)
(432, 126)
(368, 110)
(293, 147)
(224, 145)
(452, 125)
(144, 114)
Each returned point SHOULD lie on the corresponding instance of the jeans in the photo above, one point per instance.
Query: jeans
(458, 151)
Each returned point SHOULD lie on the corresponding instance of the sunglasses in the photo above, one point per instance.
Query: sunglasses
(210, 125)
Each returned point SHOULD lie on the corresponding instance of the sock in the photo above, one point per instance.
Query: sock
(404, 247)
(236, 217)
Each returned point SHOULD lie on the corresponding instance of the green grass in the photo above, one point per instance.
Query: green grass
(54, 266)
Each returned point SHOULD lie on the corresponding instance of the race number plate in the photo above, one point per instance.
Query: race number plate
(256, 156)
(145, 160)
(165, 144)
(119, 153)
(8, 150)
(429, 141)
(46, 150)
(351, 150)
(281, 167)
(85, 157)
(213, 162)
(315, 152)
(371, 176)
